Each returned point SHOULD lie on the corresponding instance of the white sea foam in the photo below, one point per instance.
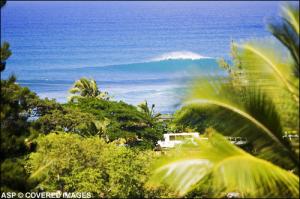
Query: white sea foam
(179, 55)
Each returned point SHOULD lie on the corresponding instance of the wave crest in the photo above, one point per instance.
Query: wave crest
(179, 55)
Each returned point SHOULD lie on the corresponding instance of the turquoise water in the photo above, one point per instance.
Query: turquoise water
(134, 50)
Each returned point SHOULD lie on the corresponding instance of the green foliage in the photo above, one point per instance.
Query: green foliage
(274, 67)
(70, 162)
(44, 106)
(114, 171)
(108, 119)
(87, 88)
(216, 167)
(260, 96)
(16, 106)
(149, 112)
(201, 117)
(5, 52)
(14, 176)
(125, 121)
(91, 113)
(67, 120)
(287, 32)
(242, 115)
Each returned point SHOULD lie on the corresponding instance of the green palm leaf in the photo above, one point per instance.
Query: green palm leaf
(291, 14)
(273, 66)
(268, 67)
(87, 88)
(149, 112)
(247, 112)
(287, 32)
(226, 168)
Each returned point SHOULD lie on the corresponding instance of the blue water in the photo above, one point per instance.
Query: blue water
(134, 50)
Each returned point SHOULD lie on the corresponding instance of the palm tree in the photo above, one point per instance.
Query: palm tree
(87, 88)
(148, 111)
(259, 101)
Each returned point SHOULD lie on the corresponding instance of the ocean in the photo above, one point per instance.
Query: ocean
(135, 51)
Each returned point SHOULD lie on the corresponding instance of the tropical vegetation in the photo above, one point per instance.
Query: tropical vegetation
(259, 100)
(87, 88)
(93, 143)
(72, 163)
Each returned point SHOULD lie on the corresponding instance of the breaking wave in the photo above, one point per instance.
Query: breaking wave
(179, 55)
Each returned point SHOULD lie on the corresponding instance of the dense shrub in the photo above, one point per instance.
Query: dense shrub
(69, 162)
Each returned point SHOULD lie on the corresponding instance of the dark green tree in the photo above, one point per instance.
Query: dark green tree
(5, 51)
(18, 106)
(125, 121)
(5, 54)
(15, 111)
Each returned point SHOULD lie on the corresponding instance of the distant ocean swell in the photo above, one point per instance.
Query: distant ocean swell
(155, 69)
(161, 81)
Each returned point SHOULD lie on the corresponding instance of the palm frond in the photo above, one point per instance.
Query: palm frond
(143, 107)
(265, 64)
(94, 87)
(249, 113)
(149, 112)
(74, 90)
(287, 32)
(229, 169)
(87, 88)
(291, 14)
(268, 67)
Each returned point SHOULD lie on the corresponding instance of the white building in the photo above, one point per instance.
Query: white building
(172, 139)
